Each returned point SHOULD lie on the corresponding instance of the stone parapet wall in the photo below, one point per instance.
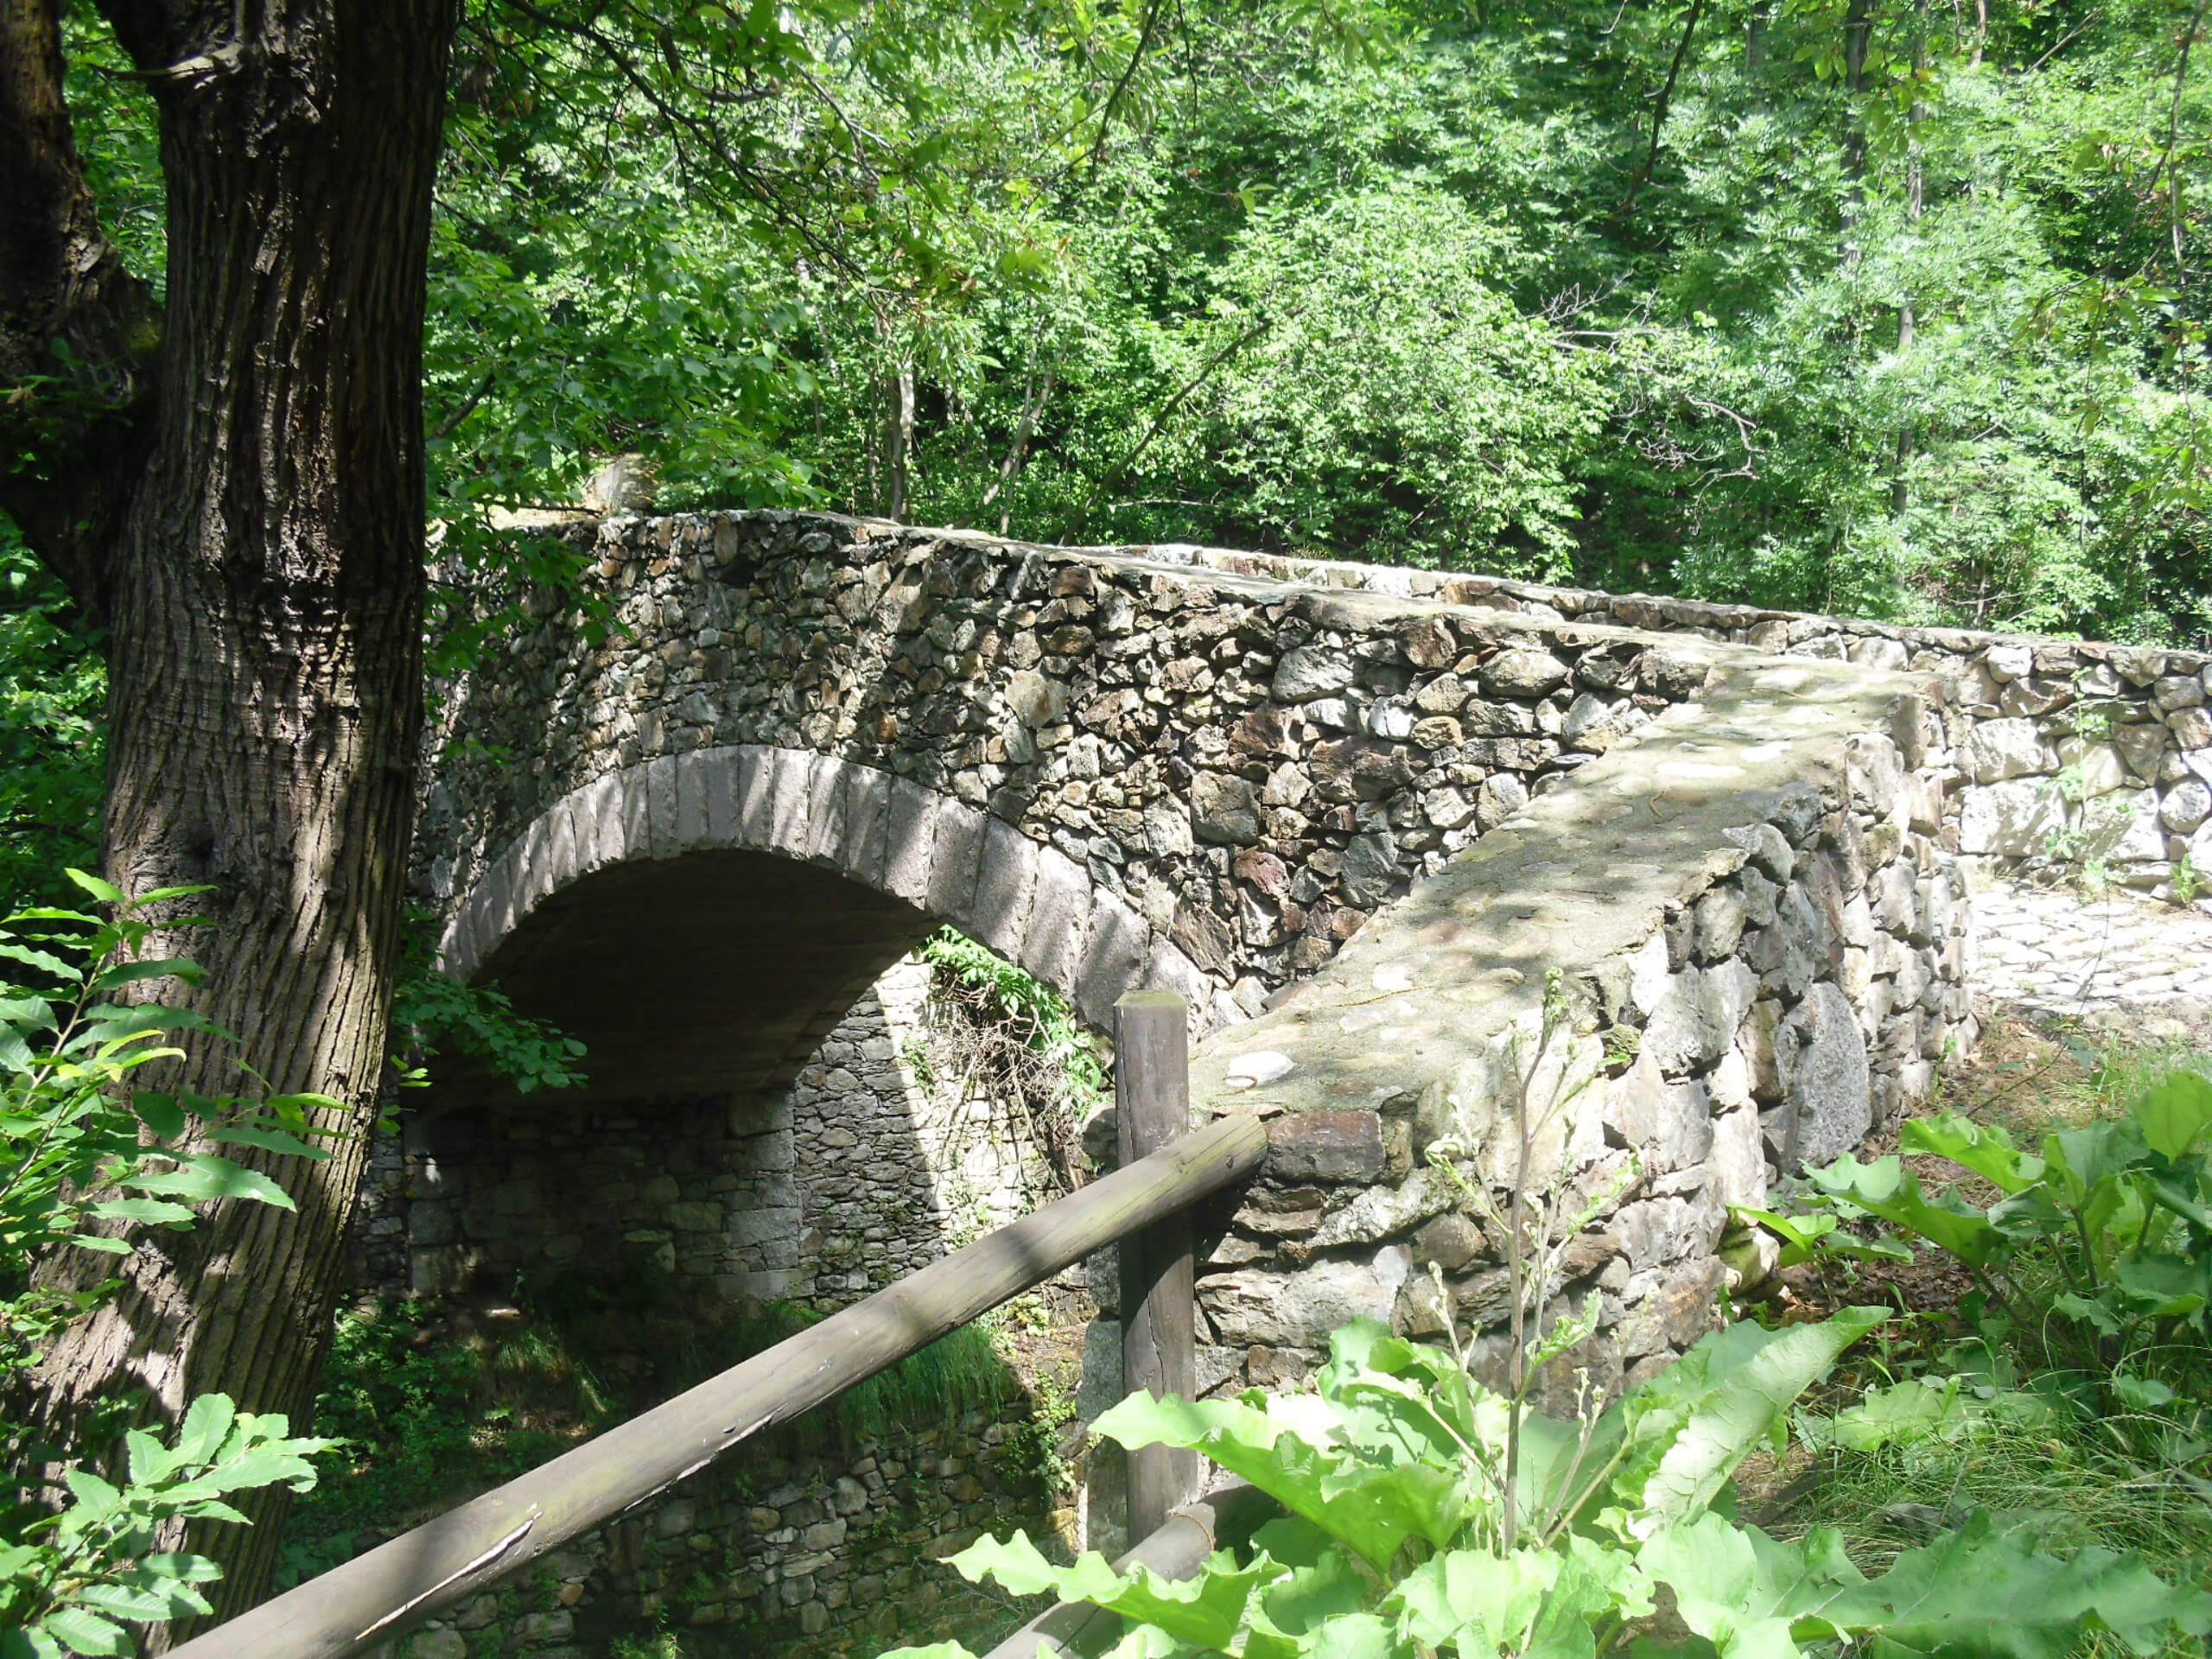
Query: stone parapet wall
(2069, 750)
(1758, 951)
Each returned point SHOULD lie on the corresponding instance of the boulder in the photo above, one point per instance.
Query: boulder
(1370, 864)
(1297, 1309)
(1501, 796)
(1822, 1058)
(2013, 819)
(1696, 1018)
(1523, 673)
(1310, 671)
(1592, 725)
(1998, 749)
(2185, 806)
(1224, 809)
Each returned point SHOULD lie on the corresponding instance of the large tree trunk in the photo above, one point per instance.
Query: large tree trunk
(264, 586)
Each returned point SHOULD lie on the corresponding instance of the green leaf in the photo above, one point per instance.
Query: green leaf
(1593, 1580)
(27, 1013)
(125, 1602)
(200, 1177)
(1204, 1611)
(104, 1246)
(1740, 1589)
(264, 1466)
(183, 1567)
(147, 1459)
(1887, 1189)
(38, 959)
(1322, 1581)
(269, 1140)
(1356, 1636)
(160, 1114)
(1984, 1148)
(1805, 1238)
(1475, 1599)
(1980, 1592)
(1918, 1409)
(152, 1211)
(2140, 1393)
(86, 1633)
(293, 1108)
(132, 973)
(162, 895)
(2174, 1111)
(1689, 1427)
(105, 892)
(206, 1423)
(1371, 1509)
(2164, 1287)
(95, 1498)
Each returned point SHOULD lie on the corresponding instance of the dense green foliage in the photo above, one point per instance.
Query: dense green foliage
(2074, 1381)
(1896, 312)
(52, 687)
(1881, 308)
(1400, 1538)
(1399, 282)
(1427, 1512)
(88, 1160)
(2097, 1249)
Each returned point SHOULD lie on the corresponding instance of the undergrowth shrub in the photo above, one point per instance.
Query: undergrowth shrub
(1019, 1040)
(429, 1416)
(1412, 1528)
(2072, 1382)
(88, 1159)
(1427, 1512)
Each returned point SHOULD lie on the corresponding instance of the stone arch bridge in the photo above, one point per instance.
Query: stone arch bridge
(1361, 818)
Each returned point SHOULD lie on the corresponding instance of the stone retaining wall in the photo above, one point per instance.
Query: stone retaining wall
(779, 1548)
(2068, 750)
(873, 1164)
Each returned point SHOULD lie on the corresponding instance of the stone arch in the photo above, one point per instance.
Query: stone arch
(703, 919)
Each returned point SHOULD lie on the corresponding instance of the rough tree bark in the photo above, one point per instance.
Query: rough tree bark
(236, 485)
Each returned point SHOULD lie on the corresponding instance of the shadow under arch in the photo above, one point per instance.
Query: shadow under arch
(702, 921)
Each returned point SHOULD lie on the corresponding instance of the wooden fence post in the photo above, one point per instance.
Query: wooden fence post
(1152, 1106)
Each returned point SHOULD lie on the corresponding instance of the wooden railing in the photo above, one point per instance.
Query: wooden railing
(1142, 1206)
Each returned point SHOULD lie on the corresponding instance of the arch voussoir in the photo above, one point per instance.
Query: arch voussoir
(956, 863)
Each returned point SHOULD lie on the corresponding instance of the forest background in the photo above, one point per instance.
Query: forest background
(1891, 309)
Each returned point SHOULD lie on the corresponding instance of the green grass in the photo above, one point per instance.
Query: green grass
(2134, 1479)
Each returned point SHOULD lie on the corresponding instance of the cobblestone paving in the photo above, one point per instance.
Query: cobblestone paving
(2048, 950)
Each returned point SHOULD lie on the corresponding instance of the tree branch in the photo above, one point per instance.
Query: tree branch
(1113, 473)
(2173, 141)
(1659, 112)
(1136, 57)
(77, 330)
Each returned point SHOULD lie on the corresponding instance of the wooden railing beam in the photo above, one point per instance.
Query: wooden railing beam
(354, 1608)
